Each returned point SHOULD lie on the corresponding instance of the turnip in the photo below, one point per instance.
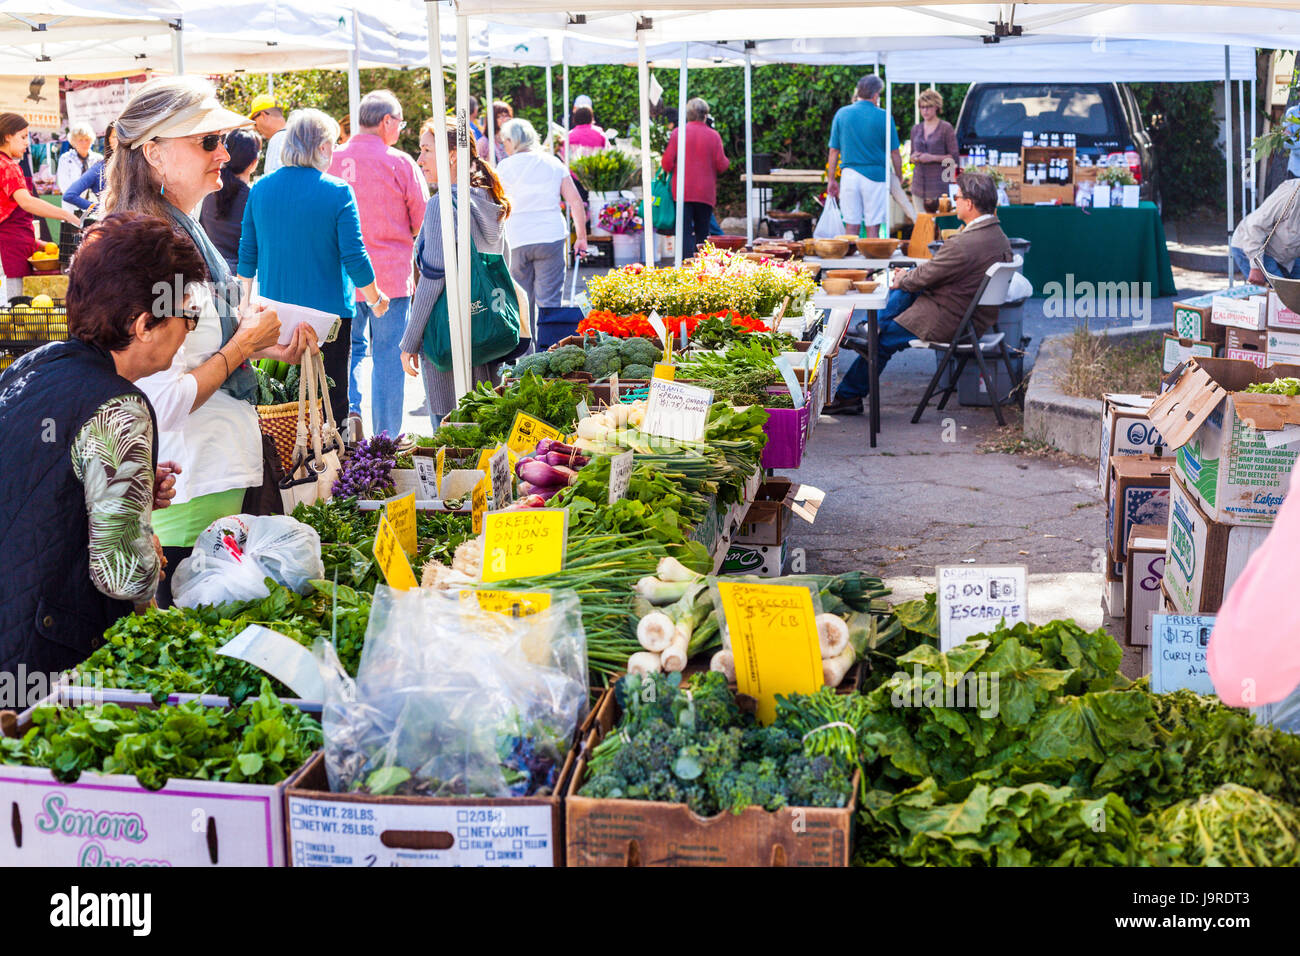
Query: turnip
(832, 635)
(655, 631)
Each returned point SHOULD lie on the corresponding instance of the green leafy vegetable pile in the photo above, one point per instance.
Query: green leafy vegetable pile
(489, 415)
(600, 355)
(1281, 386)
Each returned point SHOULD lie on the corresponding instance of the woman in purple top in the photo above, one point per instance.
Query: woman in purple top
(934, 146)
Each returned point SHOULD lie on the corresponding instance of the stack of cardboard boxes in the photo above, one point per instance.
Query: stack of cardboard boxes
(759, 545)
(1257, 329)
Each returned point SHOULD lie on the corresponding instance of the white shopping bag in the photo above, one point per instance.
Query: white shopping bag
(830, 225)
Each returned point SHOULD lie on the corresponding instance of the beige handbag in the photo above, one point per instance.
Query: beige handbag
(317, 448)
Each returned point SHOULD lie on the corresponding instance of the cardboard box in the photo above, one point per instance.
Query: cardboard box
(110, 820)
(766, 520)
(1124, 431)
(354, 829)
(1223, 458)
(1112, 597)
(1139, 494)
(602, 832)
(1146, 662)
(1177, 351)
(1192, 316)
(1280, 317)
(1142, 576)
(1256, 358)
(1249, 313)
(1246, 340)
(766, 560)
(1204, 557)
(1283, 347)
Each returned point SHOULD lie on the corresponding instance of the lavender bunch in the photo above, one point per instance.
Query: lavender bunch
(368, 473)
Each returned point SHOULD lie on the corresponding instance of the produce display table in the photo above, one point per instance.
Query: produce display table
(870, 303)
(1092, 245)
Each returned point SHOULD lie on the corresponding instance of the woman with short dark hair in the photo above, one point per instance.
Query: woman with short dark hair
(82, 478)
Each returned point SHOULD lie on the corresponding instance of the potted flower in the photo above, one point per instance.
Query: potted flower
(605, 173)
(621, 219)
(1116, 180)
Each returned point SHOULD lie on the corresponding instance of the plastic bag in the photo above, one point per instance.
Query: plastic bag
(455, 700)
(830, 225)
(233, 557)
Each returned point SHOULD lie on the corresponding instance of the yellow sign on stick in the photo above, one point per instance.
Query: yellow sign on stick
(478, 503)
(527, 431)
(441, 466)
(773, 632)
(401, 515)
(391, 559)
(524, 544)
(665, 370)
(519, 603)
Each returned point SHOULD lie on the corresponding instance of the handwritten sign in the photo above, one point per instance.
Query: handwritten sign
(665, 370)
(478, 504)
(974, 600)
(527, 431)
(429, 475)
(391, 558)
(401, 515)
(515, 603)
(773, 632)
(583, 410)
(524, 544)
(503, 487)
(677, 410)
(1179, 645)
(620, 474)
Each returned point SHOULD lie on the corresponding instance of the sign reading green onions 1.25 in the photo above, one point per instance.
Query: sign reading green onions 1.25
(524, 544)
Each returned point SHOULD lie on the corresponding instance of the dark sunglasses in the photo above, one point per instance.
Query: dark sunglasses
(191, 317)
(211, 141)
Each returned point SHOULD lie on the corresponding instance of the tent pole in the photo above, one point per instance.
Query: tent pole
(491, 112)
(437, 85)
(568, 113)
(463, 145)
(550, 103)
(916, 103)
(1241, 113)
(889, 165)
(749, 148)
(1227, 145)
(647, 199)
(178, 48)
(681, 157)
(1254, 134)
(354, 75)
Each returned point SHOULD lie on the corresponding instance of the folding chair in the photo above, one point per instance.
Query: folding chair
(966, 345)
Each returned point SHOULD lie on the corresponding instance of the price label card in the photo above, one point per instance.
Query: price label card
(791, 380)
(516, 603)
(429, 475)
(677, 410)
(282, 657)
(503, 488)
(478, 504)
(401, 515)
(527, 431)
(973, 600)
(620, 473)
(665, 370)
(773, 632)
(661, 330)
(440, 461)
(391, 558)
(524, 544)
(583, 411)
(1179, 645)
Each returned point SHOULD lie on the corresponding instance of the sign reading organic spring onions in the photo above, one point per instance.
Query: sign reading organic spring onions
(676, 410)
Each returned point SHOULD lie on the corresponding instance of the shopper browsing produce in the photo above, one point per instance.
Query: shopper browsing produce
(19, 205)
(87, 440)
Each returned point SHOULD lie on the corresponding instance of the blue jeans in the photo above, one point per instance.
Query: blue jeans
(893, 338)
(1271, 265)
(387, 380)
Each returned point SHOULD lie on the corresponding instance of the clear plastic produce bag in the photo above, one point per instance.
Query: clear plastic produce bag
(234, 556)
(452, 699)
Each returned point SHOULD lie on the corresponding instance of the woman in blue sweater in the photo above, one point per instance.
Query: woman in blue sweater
(301, 240)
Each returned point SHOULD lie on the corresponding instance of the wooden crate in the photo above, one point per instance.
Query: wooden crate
(1062, 193)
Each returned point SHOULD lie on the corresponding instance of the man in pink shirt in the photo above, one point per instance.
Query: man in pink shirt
(391, 196)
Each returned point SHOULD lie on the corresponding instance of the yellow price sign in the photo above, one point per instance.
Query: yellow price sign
(527, 431)
(391, 558)
(518, 603)
(478, 504)
(524, 544)
(485, 458)
(440, 466)
(665, 370)
(401, 515)
(773, 631)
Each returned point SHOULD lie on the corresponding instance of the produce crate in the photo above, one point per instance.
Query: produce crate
(24, 327)
(608, 832)
(355, 829)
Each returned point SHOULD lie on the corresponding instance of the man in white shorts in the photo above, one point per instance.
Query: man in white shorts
(858, 143)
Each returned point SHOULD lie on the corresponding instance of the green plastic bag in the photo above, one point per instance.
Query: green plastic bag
(665, 209)
(494, 315)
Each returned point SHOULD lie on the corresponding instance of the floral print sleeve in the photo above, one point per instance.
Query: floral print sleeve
(112, 456)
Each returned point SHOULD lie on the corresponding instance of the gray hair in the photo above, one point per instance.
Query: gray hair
(521, 133)
(306, 133)
(81, 131)
(869, 87)
(132, 184)
(981, 190)
(375, 105)
(696, 110)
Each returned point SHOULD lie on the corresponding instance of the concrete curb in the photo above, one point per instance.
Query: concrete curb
(1199, 261)
(1066, 422)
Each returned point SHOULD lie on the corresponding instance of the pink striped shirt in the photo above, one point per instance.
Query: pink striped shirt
(391, 196)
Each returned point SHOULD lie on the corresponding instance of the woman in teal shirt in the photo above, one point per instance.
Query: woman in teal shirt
(301, 240)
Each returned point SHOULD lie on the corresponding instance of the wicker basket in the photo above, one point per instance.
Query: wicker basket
(281, 423)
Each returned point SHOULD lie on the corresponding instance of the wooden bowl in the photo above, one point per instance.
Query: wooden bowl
(728, 242)
(811, 269)
(836, 286)
(866, 287)
(809, 246)
(877, 248)
(853, 275)
(774, 252)
(832, 248)
(44, 265)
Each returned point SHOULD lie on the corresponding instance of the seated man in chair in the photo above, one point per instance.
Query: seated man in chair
(928, 302)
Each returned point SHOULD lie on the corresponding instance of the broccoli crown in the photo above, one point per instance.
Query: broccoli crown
(639, 351)
(603, 361)
(637, 372)
(568, 358)
(538, 363)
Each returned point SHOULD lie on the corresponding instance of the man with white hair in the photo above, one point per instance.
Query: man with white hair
(858, 143)
(391, 196)
(75, 161)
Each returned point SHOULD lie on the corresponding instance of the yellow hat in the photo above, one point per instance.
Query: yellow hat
(262, 101)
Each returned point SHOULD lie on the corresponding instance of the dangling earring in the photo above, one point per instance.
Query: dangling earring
(162, 190)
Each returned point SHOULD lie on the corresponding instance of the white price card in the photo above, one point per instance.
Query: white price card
(791, 381)
(282, 657)
(677, 410)
(657, 324)
(974, 600)
(503, 491)
(1180, 644)
(426, 472)
(620, 473)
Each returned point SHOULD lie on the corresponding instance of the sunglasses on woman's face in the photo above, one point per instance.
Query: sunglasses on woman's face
(191, 318)
(211, 141)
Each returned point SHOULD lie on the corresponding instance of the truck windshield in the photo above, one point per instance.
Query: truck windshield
(1049, 108)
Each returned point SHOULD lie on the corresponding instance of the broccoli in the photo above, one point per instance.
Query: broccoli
(639, 351)
(568, 358)
(637, 372)
(603, 361)
(538, 363)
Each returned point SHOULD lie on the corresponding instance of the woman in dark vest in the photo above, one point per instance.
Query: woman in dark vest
(81, 476)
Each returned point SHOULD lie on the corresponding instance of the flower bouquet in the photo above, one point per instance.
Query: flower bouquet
(620, 217)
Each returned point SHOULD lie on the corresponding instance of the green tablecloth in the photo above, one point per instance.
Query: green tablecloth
(1093, 245)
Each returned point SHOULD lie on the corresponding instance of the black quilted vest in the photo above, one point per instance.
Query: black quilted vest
(51, 615)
